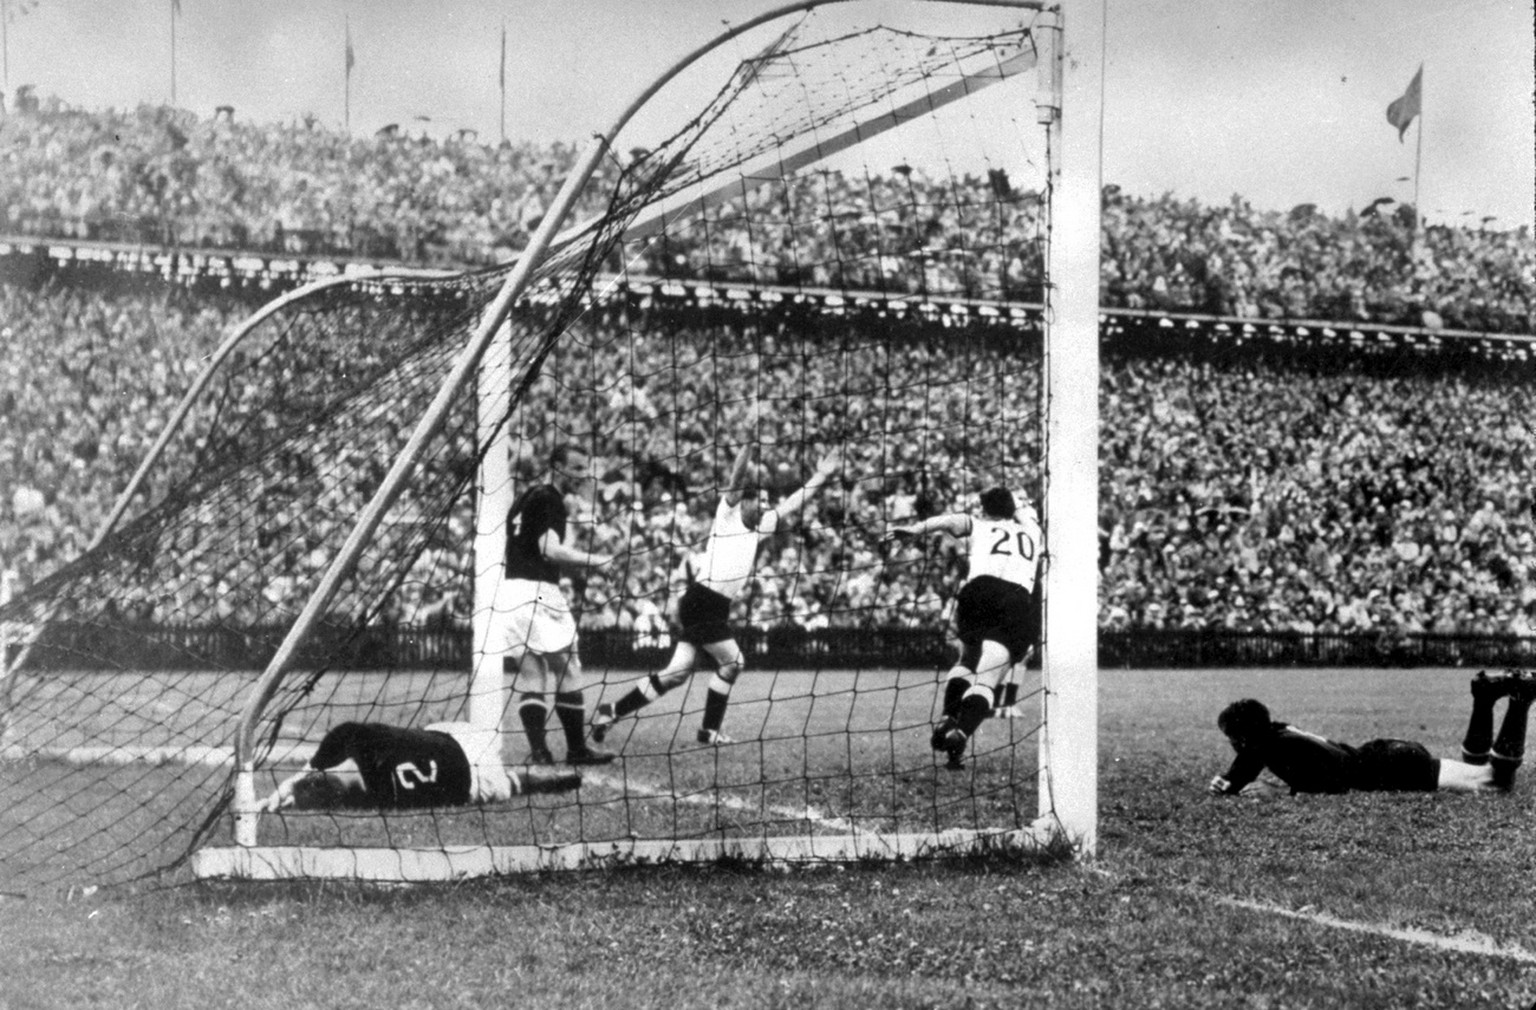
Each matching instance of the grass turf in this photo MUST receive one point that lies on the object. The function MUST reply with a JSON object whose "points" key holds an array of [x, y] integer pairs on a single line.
{"points": [[1154, 921]]}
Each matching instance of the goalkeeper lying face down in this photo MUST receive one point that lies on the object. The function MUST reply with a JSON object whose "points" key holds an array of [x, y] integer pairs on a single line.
{"points": [[1309, 763], [360, 764]]}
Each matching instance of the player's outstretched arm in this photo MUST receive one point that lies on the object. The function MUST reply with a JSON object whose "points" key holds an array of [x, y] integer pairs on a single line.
{"points": [[955, 523], [561, 553], [735, 479], [535, 779], [824, 471], [1255, 790]]}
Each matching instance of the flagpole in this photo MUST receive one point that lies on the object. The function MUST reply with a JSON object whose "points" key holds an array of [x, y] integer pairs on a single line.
{"points": [[1418, 151], [346, 101], [502, 80], [173, 52]]}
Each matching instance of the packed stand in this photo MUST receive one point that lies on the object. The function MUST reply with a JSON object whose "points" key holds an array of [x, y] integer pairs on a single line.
{"points": [[1242, 489], [165, 176]]}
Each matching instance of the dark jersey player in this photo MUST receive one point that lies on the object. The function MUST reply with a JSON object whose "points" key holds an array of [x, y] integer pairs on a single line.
{"points": [[1309, 763], [363, 764], [536, 627]]}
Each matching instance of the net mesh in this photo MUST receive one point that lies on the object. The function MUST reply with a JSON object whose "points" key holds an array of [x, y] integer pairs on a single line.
{"points": [[777, 256]]}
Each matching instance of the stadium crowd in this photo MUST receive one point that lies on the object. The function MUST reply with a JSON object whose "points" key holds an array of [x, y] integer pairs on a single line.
{"points": [[1243, 487], [169, 177]]}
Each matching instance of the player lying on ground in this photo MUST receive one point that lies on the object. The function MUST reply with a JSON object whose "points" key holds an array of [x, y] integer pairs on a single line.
{"points": [[713, 580], [1312, 764], [997, 612], [360, 764]]}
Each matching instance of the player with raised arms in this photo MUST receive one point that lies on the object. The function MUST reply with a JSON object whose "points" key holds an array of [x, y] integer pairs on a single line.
{"points": [[712, 581], [997, 611]]}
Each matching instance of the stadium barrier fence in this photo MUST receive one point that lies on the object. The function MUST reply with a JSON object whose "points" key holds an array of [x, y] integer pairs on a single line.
{"points": [[258, 276], [67, 646]]}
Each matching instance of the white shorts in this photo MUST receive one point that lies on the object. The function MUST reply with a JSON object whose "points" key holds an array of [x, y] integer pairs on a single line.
{"points": [[533, 617]]}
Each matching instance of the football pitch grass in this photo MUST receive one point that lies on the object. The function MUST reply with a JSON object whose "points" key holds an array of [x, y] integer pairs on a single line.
{"points": [[1193, 901]]}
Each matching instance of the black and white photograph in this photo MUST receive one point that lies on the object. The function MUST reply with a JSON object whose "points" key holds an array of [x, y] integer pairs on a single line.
{"points": [[767, 503]]}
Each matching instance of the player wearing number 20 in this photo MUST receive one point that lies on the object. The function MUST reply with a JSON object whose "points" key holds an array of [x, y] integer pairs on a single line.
{"points": [[997, 612]]}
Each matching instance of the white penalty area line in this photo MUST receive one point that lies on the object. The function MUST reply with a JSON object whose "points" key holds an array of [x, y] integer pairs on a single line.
{"points": [[1470, 942], [633, 787]]}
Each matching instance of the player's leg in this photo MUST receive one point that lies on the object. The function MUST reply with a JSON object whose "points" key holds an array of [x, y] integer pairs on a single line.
{"points": [[729, 663], [523, 642], [646, 690], [1007, 701], [1509, 747], [976, 705], [1462, 777], [571, 710], [1486, 691], [957, 682], [532, 684]]}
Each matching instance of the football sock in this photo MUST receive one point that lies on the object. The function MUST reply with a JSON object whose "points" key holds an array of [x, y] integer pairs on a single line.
{"points": [[954, 690], [1474, 746], [716, 701], [641, 695], [571, 708], [1509, 748], [1010, 694], [975, 706], [534, 714]]}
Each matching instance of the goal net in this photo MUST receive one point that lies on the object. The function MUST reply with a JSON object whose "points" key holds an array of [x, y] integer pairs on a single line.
{"points": [[845, 247]]}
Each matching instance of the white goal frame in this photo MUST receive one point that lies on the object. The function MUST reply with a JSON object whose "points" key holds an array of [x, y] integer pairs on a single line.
{"points": [[1071, 67]]}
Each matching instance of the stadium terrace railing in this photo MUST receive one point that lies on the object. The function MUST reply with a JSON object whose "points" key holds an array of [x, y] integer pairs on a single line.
{"points": [[261, 275], [136, 647]]}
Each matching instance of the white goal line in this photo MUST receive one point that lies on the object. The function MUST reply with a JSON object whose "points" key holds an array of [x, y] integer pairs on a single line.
{"points": [[449, 863], [297, 754]]}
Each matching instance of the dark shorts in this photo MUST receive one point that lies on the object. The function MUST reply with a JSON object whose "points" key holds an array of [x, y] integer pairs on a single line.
{"points": [[992, 609], [703, 616], [1395, 766]]}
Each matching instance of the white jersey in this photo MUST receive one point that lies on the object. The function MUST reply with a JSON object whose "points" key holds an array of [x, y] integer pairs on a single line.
{"points": [[1007, 549], [728, 559]]}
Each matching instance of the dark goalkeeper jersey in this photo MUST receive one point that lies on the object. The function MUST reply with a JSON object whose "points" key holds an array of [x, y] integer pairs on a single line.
{"points": [[400, 767], [1304, 761]]}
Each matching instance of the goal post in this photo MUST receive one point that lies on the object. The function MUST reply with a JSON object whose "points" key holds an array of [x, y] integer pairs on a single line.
{"points": [[1071, 412], [872, 236]]}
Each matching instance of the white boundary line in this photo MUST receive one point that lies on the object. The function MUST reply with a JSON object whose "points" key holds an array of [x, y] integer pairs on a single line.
{"points": [[628, 786], [297, 754], [1467, 942]]}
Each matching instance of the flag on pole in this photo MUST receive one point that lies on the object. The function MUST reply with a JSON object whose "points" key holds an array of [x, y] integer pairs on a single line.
{"points": [[350, 58], [501, 77], [1402, 111], [175, 8]]}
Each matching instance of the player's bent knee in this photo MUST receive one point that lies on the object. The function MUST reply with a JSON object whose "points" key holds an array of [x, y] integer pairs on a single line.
{"points": [[729, 671], [666, 680]]}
